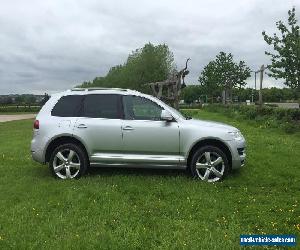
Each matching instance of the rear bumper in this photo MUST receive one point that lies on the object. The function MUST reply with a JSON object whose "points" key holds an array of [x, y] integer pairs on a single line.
{"points": [[37, 156], [37, 152]]}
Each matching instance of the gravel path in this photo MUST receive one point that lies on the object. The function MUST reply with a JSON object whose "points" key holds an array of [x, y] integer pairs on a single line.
{"points": [[6, 118]]}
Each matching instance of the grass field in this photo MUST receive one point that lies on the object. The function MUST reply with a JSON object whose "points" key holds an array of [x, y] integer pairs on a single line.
{"points": [[147, 209]]}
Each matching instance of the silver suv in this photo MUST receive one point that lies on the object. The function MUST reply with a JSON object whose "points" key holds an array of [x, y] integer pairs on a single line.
{"points": [[79, 128]]}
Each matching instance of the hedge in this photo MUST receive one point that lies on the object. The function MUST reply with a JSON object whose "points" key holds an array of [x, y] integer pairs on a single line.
{"points": [[9, 109], [287, 119], [252, 112]]}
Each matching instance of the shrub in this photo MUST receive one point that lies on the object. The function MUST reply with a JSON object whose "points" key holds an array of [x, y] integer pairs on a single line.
{"points": [[266, 116], [6, 109], [289, 127]]}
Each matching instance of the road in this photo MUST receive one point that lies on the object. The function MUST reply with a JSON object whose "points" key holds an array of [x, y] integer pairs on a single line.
{"points": [[286, 105], [6, 118]]}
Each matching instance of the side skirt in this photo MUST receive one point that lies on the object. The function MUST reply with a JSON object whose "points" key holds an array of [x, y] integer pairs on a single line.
{"points": [[138, 161]]}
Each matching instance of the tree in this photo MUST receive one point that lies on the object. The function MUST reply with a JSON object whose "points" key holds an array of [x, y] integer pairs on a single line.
{"points": [[208, 80], [224, 74], [29, 100], [147, 64], [150, 64], [6, 100], [285, 63], [45, 99], [19, 100], [191, 93], [244, 94]]}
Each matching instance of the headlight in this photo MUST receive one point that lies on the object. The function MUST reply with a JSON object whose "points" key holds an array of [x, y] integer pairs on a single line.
{"points": [[237, 135]]}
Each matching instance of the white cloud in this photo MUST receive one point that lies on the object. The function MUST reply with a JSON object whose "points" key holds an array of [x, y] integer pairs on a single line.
{"points": [[53, 45]]}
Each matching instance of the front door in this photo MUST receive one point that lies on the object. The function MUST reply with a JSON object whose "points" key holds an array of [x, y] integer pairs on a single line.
{"points": [[146, 138]]}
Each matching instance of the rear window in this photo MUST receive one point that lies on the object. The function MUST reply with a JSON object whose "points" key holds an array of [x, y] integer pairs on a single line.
{"points": [[102, 106], [67, 106]]}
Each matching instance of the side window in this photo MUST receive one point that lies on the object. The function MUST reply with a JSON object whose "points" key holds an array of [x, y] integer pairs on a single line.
{"points": [[67, 106], [102, 106], [140, 108]]}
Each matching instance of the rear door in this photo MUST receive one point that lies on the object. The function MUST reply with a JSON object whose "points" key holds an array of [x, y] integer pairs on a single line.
{"points": [[64, 114], [99, 126]]}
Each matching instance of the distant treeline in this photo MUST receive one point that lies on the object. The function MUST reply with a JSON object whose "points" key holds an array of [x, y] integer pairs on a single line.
{"points": [[195, 93], [23, 100]]}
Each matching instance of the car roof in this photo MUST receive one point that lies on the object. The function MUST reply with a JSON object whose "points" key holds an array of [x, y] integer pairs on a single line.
{"points": [[86, 91]]}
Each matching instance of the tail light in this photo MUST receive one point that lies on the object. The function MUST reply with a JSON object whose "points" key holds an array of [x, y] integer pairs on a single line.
{"points": [[36, 124]]}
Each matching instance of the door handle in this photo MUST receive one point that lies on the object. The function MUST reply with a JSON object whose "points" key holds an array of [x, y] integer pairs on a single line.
{"points": [[128, 128], [81, 126]]}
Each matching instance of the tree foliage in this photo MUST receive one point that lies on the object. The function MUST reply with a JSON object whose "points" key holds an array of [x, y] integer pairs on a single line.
{"points": [[223, 74], [285, 62], [6, 100], [270, 94], [148, 64], [192, 93], [209, 81]]}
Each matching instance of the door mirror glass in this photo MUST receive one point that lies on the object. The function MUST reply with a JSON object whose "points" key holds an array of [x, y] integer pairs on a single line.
{"points": [[166, 116]]}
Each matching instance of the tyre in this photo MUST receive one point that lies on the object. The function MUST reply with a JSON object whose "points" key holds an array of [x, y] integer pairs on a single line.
{"points": [[209, 163], [68, 161]]}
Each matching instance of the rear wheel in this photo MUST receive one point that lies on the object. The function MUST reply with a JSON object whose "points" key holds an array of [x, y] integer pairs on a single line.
{"points": [[209, 163], [68, 161]]}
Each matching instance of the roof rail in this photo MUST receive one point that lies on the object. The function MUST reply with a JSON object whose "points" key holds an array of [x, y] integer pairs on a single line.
{"points": [[95, 88]]}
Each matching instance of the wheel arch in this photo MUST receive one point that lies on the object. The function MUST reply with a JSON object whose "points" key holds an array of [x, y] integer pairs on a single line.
{"points": [[210, 142], [63, 139]]}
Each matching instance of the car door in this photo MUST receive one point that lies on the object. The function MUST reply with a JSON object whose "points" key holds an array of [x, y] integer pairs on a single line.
{"points": [[146, 138], [64, 114], [99, 126]]}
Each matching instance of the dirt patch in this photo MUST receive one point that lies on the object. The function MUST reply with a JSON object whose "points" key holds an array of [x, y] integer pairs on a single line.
{"points": [[6, 118]]}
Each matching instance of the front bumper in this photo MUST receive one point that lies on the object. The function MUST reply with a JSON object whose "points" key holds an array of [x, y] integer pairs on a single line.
{"points": [[240, 162], [238, 152]]}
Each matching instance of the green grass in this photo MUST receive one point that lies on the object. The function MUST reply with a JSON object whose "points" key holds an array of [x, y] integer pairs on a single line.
{"points": [[147, 209]]}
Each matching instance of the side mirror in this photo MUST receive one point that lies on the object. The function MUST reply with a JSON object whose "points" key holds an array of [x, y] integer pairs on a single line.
{"points": [[166, 116]]}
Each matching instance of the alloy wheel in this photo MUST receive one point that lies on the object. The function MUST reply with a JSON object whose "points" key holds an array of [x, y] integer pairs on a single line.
{"points": [[210, 167], [66, 164]]}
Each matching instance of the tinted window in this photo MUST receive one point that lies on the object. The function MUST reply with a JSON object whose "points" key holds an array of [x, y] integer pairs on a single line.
{"points": [[102, 106], [67, 106], [140, 108]]}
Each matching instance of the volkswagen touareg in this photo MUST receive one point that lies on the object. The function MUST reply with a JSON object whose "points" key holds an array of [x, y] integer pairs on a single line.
{"points": [[80, 128]]}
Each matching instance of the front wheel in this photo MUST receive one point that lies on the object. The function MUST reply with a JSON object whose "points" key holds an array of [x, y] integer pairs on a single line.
{"points": [[68, 161], [209, 163]]}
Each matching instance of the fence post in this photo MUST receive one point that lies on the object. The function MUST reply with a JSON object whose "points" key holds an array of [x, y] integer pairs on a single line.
{"points": [[262, 68]]}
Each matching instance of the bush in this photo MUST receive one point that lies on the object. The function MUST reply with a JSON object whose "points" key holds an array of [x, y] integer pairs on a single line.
{"points": [[6, 109], [289, 127], [266, 116]]}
